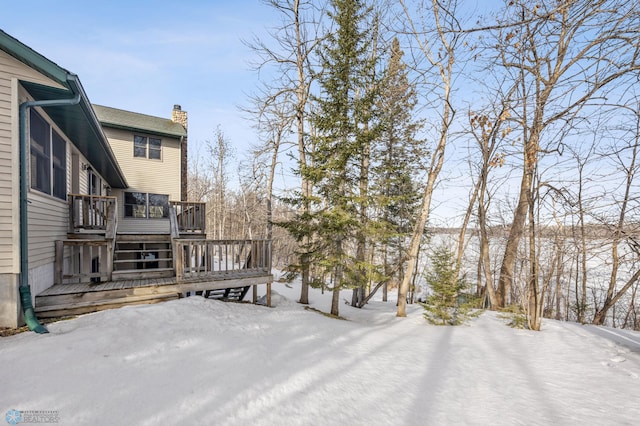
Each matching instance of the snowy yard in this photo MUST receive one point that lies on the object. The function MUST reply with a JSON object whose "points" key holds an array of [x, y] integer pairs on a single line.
{"points": [[198, 361]]}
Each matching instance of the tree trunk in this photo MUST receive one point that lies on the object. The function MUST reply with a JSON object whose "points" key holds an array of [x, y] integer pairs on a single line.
{"points": [[335, 301], [513, 241], [559, 274], [337, 284], [465, 225], [385, 255], [444, 67], [610, 300], [601, 313], [484, 260], [301, 90], [535, 296], [486, 267], [418, 232], [361, 245]]}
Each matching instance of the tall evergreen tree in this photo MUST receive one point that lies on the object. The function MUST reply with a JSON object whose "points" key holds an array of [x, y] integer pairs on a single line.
{"points": [[397, 159], [344, 121]]}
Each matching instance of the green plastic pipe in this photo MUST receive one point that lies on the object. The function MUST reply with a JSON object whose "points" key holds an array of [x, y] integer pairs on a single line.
{"points": [[29, 314], [25, 289]]}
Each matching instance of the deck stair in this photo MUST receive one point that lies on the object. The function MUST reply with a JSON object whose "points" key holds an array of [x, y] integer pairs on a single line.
{"points": [[236, 293], [142, 256], [102, 272]]}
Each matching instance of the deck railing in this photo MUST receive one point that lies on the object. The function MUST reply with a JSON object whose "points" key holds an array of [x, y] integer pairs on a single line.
{"points": [[199, 258], [92, 212], [191, 216], [83, 261], [92, 260]]}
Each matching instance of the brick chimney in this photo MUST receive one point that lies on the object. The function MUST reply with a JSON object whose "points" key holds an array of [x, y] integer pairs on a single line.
{"points": [[179, 116]]}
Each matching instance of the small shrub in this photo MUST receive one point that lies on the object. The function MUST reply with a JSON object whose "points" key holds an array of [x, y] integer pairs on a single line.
{"points": [[515, 315], [448, 304]]}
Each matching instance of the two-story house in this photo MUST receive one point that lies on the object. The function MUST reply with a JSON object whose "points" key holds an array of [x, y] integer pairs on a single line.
{"points": [[93, 210], [152, 154]]}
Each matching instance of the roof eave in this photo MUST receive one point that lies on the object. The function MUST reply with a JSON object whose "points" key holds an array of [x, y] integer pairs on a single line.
{"points": [[119, 180], [33, 59], [70, 83], [143, 130]]}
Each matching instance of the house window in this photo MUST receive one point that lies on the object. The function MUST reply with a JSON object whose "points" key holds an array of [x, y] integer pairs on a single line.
{"points": [[59, 163], [146, 206], [147, 147], [158, 206], [48, 161], [135, 204], [155, 148]]}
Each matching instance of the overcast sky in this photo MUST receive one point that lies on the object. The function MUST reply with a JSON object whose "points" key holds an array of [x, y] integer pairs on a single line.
{"points": [[145, 56]]}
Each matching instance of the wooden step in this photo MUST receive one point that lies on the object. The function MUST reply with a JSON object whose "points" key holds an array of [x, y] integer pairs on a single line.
{"points": [[99, 296], [86, 236], [84, 307], [160, 259], [142, 238], [129, 251], [141, 271], [141, 274], [233, 293]]}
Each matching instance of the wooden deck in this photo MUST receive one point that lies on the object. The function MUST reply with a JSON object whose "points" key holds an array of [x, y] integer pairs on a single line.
{"points": [[74, 299], [134, 268]]}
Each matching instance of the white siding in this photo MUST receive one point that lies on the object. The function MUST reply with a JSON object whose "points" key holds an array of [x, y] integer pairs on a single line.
{"points": [[48, 222], [41, 278]]}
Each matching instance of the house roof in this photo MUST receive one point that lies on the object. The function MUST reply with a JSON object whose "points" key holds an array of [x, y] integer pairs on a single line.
{"points": [[127, 120], [79, 121]]}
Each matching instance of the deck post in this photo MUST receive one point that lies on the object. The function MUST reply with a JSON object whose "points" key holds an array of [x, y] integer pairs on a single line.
{"points": [[179, 264], [269, 294], [85, 211], [109, 250], [59, 261], [255, 294], [72, 215], [111, 227]]}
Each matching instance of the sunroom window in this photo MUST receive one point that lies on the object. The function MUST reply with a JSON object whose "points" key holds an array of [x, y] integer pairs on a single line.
{"points": [[48, 158], [146, 206]]}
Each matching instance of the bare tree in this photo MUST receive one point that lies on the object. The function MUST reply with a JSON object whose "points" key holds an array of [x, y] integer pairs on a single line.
{"points": [[565, 54], [274, 121], [440, 50], [488, 133], [220, 152], [630, 169], [632, 317], [200, 184], [291, 54], [580, 232]]}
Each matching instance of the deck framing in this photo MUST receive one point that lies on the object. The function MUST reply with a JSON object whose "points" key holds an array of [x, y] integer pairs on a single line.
{"points": [[74, 299]]}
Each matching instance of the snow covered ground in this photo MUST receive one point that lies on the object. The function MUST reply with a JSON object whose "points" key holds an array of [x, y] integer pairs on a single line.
{"points": [[198, 361]]}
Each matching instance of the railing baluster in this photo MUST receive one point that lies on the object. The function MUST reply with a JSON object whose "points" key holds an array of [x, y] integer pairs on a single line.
{"points": [[190, 216], [89, 212], [233, 256]]}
